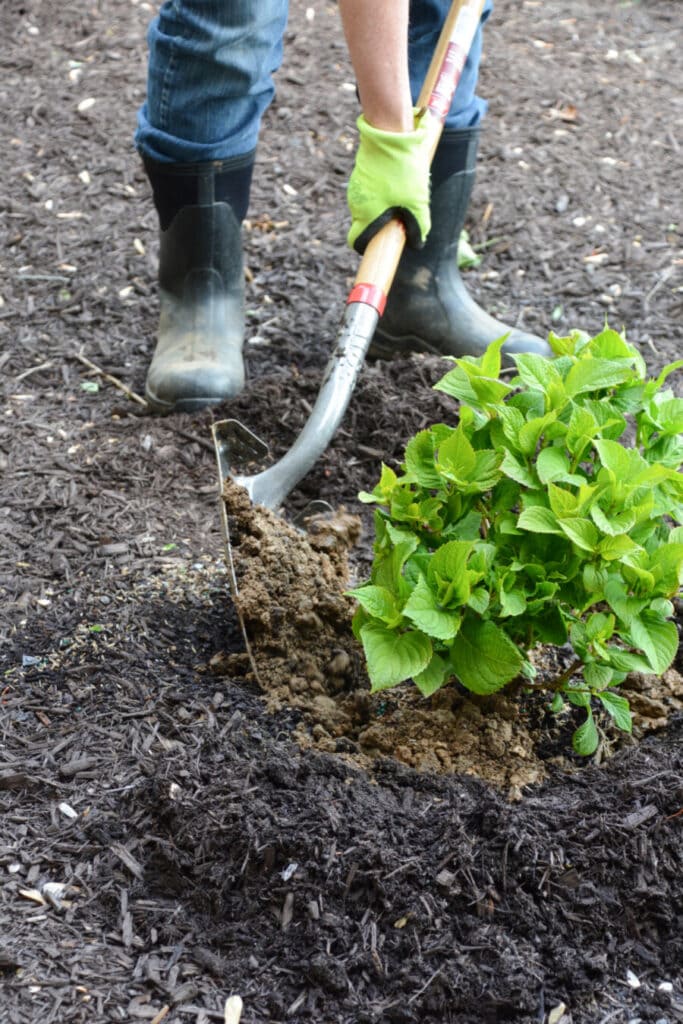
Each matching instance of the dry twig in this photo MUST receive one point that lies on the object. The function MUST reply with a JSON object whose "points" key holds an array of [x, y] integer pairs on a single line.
{"points": [[112, 380]]}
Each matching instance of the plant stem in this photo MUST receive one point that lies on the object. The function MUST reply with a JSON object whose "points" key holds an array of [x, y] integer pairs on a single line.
{"points": [[566, 675]]}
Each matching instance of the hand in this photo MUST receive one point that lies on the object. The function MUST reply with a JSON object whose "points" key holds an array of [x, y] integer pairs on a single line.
{"points": [[390, 179]]}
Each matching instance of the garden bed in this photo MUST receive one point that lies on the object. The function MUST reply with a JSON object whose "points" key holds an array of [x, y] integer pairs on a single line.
{"points": [[205, 835]]}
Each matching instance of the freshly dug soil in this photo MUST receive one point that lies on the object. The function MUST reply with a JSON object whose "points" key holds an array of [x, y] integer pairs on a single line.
{"points": [[167, 835]]}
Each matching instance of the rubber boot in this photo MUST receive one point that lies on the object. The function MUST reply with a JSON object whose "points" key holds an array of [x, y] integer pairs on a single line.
{"points": [[429, 309], [198, 357]]}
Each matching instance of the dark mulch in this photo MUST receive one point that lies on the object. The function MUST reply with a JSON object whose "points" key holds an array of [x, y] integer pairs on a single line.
{"points": [[202, 853]]}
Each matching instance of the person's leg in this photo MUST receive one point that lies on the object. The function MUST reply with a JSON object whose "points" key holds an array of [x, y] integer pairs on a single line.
{"points": [[429, 308], [210, 72]]}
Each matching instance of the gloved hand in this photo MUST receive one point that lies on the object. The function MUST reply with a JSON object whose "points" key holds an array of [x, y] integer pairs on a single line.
{"points": [[390, 179]]}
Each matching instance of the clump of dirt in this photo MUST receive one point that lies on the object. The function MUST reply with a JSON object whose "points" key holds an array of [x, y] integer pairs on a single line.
{"points": [[450, 732], [290, 598], [653, 699]]}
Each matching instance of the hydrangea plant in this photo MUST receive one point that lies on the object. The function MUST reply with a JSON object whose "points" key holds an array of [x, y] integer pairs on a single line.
{"points": [[546, 515]]}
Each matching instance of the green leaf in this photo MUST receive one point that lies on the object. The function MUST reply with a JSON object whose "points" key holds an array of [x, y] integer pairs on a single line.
{"points": [[383, 490], [656, 638], [483, 657], [563, 503], [597, 676], [486, 470], [456, 383], [579, 639], [479, 600], [599, 626], [663, 608], [393, 657], [456, 458], [537, 373], [581, 532], [467, 257], [668, 415], [512, 602], [625, 661], [618, 708], [420, 460], [448, 571], [433, 677], [401, 538], [490, 362], [424, 612], [551, 464], [597, 375], [378, 602], [611, 345], [489, 392], [557, 704], [624, 463], [583, 427], [625, 607], [585, 739], [538, 520], [579, 698], [640, 580], [667, 371], [613, 525], [666, 450], [595, 580], [666, 564], [516, 470], [467, 528], [532, 430], [614, 548], [569, 345], [610, 419], [512, 422]]}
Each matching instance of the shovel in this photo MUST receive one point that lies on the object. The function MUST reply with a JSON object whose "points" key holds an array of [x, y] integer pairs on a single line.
{"points": [[236, 446]]}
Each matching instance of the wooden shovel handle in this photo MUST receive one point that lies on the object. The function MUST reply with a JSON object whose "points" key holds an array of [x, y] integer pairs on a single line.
{"points": [[380, 260]]}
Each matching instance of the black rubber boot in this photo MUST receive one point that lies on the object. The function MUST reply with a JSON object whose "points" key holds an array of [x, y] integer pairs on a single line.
{"points": [[198, 356], [429, 309]]}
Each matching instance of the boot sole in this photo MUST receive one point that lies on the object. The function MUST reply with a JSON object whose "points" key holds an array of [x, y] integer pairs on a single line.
{"points": [[182, 405]]}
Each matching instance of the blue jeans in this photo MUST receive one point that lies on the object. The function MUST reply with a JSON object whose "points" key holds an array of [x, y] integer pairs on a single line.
{"points": [[211, 66]]}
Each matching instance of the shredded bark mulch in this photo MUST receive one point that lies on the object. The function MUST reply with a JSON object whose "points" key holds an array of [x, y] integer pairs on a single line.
{"points": [[164, 840]]}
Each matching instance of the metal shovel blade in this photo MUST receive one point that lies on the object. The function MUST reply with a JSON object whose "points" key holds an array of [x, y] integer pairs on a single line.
{"points": [[235, 446]]}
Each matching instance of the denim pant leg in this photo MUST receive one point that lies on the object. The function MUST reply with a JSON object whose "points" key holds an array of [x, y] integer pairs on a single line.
{"points": [[426, 21], [210, 72]]}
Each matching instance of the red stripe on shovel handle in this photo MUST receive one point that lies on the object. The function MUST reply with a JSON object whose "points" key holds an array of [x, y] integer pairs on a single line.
{"points": [[370, 294], [449, 76]]}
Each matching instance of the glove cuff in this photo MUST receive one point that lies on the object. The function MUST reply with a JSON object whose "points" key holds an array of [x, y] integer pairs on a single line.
{"points": [[383, 141]]}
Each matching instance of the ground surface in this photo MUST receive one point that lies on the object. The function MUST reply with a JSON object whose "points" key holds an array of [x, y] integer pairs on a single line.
{"points": [[204, 853]]}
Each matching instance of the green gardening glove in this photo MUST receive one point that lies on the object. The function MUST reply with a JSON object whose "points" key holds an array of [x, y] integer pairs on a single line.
{"points": [[390, 179]]}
